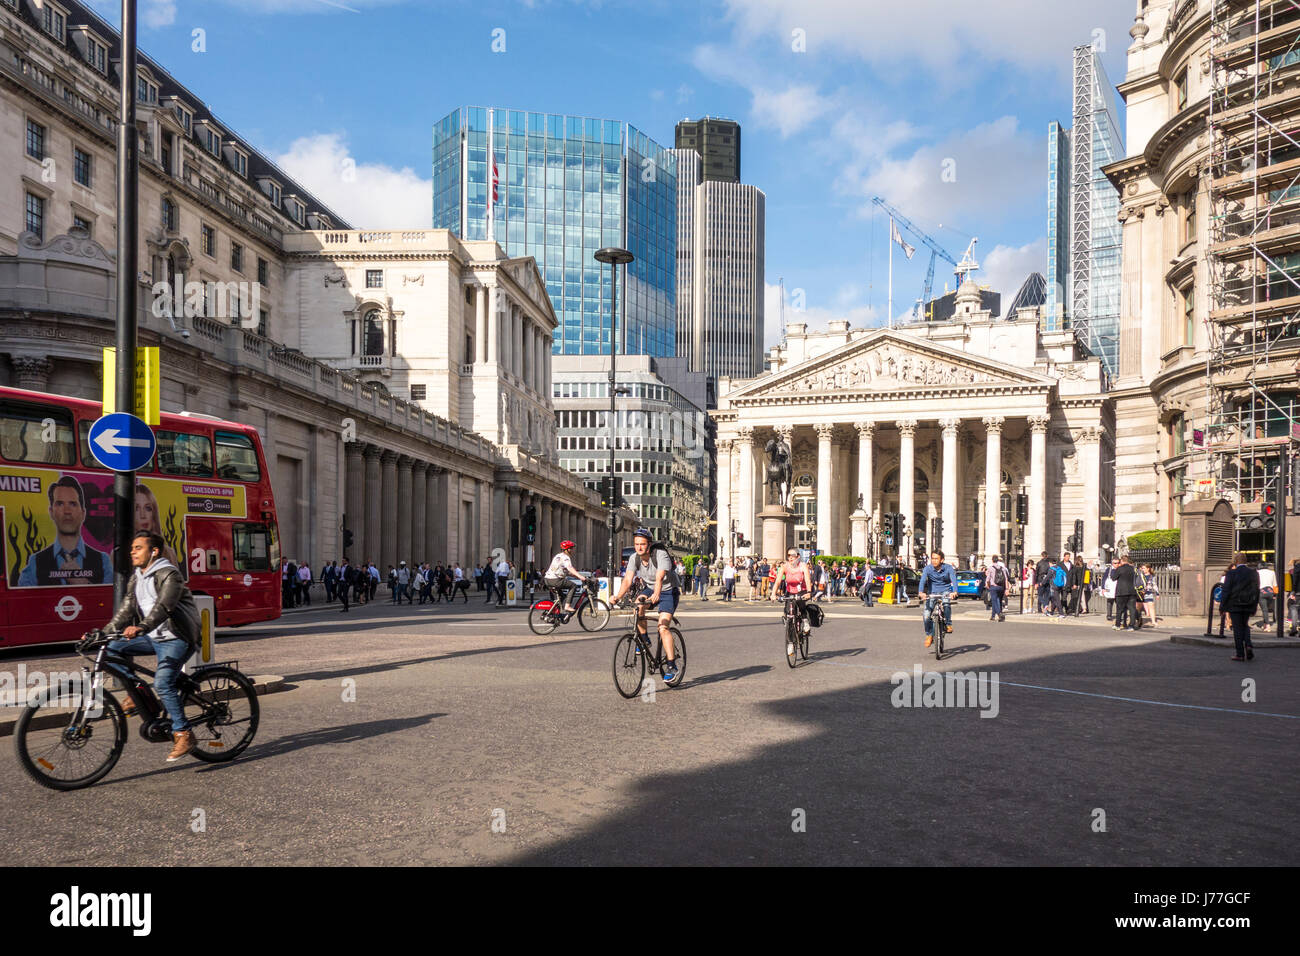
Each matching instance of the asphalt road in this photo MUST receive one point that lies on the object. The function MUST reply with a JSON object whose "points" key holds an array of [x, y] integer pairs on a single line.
{"points": [[472, 741]]}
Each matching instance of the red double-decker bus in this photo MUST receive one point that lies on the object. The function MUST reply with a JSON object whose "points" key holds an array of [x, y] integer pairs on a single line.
{"points": [[206, 492]]}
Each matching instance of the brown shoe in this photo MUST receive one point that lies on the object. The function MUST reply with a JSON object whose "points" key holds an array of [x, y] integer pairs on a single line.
{"points": [[184, 744], [929, 639], [128, 707]]}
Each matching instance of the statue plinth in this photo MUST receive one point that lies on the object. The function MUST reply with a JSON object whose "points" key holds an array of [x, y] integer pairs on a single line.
{"points": [[778, 530], [859, 521]]}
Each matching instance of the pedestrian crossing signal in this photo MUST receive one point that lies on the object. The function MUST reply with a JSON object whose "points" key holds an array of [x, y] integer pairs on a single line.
{"points": [[530, 524]]}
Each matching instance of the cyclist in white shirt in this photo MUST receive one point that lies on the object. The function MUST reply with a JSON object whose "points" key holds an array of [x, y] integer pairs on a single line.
{"points": [[564, 576]]}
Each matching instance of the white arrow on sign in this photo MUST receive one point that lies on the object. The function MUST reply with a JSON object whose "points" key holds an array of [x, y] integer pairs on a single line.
{"points": [[109, 441]]}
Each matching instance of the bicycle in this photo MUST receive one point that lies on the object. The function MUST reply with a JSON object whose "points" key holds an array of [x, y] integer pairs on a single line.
{"points": [[632, 654], [938, 621], [545, 615], [70, 748], [797, 627]]}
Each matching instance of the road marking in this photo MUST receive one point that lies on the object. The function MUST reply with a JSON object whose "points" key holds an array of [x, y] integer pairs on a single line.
{"points": [[1084, 693]]}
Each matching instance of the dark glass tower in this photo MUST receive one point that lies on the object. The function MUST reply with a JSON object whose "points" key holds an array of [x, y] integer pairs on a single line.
{"points": [[718, 142]]}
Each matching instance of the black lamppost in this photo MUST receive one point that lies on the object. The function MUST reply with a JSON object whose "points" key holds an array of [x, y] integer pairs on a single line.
{"points": [[615, 257]]}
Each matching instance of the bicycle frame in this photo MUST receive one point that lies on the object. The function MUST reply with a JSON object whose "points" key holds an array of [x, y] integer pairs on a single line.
{"points": [[557, 614]]}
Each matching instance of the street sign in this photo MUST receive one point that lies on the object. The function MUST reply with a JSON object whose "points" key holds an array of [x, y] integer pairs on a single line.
{"points": [[1198, 438], [121, 442], [148, 383]]}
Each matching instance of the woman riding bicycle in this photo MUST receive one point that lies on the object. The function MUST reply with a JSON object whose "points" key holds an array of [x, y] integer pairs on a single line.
{"points": [[163, 620], [796, 577], [939, 581]]}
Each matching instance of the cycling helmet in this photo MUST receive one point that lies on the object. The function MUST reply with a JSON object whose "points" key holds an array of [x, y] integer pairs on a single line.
{"points": [[643, 533], [566, 545]]}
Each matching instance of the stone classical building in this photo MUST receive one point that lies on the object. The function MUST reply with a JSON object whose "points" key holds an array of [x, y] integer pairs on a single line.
{"points": [[1206, 394], [399, 380], [949, 420]]}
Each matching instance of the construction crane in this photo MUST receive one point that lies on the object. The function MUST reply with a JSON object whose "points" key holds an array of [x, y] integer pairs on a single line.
{"points": [[967, 264]]}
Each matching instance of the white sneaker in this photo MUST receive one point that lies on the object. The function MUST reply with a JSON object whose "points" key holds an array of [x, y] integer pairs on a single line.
{"points": [[789, 648]]}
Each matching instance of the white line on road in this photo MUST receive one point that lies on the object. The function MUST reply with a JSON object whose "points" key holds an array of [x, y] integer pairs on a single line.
{"points": [[1084, 693]]}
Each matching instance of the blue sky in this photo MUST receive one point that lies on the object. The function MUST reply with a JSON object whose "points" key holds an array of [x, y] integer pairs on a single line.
{"points": [[839, 100]]}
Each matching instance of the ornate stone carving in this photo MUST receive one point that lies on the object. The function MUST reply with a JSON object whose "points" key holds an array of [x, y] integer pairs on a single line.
{"points": [[335, 277], [1090, 435], [866, 430], [887, 366], [409, 279], [907, 427], [950, 426], [1039, 423], [825, 431], [1071, 372], [32, 371], [994, 423], [784, 433], [745, 435]]}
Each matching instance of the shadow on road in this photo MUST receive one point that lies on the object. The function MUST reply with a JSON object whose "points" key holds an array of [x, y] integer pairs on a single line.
{"points": [[738, 674]]}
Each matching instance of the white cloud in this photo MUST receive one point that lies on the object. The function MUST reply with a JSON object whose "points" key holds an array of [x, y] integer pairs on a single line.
{"points": [[1006, 267], [159, 13], [971, 176], [366, 194], [788, 110], [939, 36]]}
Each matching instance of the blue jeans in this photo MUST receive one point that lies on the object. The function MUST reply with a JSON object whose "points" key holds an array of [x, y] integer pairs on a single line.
{"points": [[929, 606], [995, 595], [171, 655]]}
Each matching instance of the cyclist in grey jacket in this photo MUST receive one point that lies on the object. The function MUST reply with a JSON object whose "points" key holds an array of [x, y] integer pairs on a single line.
{"points": [[158, 616]]}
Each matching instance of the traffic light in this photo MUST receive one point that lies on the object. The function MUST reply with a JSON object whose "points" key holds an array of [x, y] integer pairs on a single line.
{"points": [[530, 524], [887, 525], [937, 532], [900, 528], [1022, 508], [609, 491], [347, 539], [1078, 535], [1268, 514]]}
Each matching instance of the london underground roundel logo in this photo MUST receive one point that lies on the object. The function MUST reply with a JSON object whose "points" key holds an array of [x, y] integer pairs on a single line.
{"points": [[68, 608]]}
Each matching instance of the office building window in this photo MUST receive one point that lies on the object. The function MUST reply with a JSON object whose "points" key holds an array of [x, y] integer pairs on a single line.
{"points": [[237, 257], [169, 216], [262, 270], [374, 278], [419, 392], [97, 54], [79, 223], [54, 21], [35, 140], [209, 241], [1189, 316], [81, 162], [35, 221]]}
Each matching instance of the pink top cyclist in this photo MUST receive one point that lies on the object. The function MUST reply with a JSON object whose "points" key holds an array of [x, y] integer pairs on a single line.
{"points": [[795, 574]]}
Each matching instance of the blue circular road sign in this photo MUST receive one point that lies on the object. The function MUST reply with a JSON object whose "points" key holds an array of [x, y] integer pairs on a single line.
{"points": [[121, 442]]}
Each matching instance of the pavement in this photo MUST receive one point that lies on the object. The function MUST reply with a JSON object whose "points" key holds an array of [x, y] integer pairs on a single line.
{"points": [[453, 735]]}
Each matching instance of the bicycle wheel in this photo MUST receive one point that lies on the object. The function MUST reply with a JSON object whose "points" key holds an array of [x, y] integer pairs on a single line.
{"points": [[937, 626], [222, 709], [791, 640], [540, 621], [629, 666], [679, 657], [803, 644], [594, 615], [73, 749]]}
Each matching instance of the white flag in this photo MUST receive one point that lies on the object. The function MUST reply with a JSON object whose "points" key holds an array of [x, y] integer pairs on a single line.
{"points": [[898, 238]]}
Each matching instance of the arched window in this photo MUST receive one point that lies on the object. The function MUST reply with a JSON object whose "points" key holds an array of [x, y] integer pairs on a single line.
{"points": [[372, 337]]}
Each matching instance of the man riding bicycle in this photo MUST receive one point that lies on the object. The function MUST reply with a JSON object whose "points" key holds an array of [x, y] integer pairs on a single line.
{"points": [[658, 585], [797, 580], [563, 576], [161, 619], [939, 582]]}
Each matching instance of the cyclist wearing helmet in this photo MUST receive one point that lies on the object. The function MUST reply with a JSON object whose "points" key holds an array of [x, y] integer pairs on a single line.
{"points": [[564, 576], [651, 569]]}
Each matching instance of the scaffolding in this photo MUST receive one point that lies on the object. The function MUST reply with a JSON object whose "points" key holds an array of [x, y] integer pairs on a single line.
{"points": [[1252, 319]]}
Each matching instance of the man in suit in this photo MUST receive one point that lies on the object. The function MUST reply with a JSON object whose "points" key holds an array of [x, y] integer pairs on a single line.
{"points": [[1240, 599], [69, 560]]}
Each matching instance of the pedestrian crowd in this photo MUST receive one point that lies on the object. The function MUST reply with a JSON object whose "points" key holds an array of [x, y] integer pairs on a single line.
{"points": [[359, 583]]}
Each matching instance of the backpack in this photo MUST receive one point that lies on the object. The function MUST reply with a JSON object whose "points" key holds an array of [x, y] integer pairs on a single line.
{"points": [[671, 577], [999, 577], [1058, 577]]}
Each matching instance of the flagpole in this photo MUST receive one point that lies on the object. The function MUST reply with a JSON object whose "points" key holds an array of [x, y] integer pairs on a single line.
{"points": [[890, 306]]}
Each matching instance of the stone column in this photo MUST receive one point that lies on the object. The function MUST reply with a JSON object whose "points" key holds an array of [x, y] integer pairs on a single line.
{"points": [[547, 347], [419, 511], [866, 465], [481, 325], [907, 487], [435, 514], [404, 476], [373, 504], [745, 517], [723, 526], [993, 487], [388, 503], [499, 523], [1036, 530], [517, 341], [1089, 445], [948, 512], [356, 519], [494, 334], [32, 372], [825, 486]]}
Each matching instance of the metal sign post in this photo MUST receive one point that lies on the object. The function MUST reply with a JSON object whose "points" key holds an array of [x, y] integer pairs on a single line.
{"points": [[128, 169]]}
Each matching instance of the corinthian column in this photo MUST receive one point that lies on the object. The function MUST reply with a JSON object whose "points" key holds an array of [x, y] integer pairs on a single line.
{"points": [[724, 495], [1089, 442], [907, 486], [825, 486], [745, 519], [993, 486], [1036, 531], [950, 426]]}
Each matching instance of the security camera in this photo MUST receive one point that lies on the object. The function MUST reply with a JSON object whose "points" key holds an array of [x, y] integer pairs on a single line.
{"points": [[185, 333]]}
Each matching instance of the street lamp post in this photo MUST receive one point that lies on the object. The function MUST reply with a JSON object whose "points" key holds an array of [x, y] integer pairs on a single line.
{"points": [[615, 257]]}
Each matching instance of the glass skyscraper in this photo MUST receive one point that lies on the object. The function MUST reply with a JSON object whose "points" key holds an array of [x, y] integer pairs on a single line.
{"points": [[1083, 230], [566, 186]]}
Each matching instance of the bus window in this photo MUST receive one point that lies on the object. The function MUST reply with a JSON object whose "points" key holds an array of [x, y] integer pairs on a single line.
{"points": [[36, 433], [87, 459], [252, 547], [236, 459], [182, 453]]}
